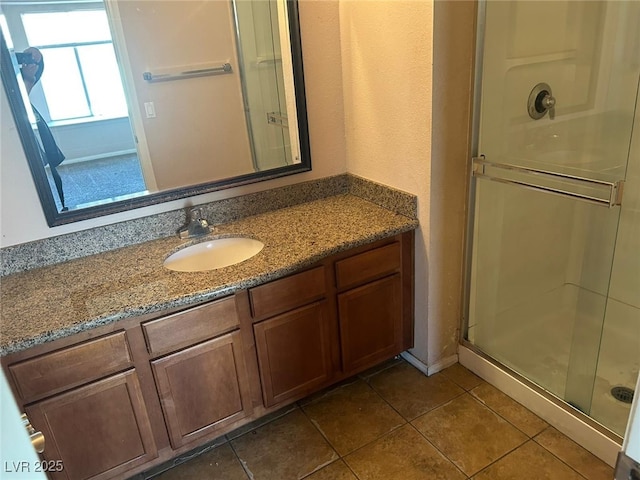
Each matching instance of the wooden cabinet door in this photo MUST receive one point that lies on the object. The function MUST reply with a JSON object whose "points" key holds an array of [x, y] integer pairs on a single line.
{"points": [[370, 323], [203, 388], [294, 352], [100, 430]]}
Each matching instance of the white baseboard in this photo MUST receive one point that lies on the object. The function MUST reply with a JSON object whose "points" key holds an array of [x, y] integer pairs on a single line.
{"points": [[585, 435], [100, 156], [429, 369]]}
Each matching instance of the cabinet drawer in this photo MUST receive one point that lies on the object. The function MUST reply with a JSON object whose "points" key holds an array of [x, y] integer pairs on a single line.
{"points": [[368, 265], [287, 293], [191, 326], [70, 367]]}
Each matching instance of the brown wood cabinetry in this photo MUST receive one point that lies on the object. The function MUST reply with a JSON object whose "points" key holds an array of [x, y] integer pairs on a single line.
{"points": [[99, 430], [125, 397], [370, 323], [203, 388], [287, 293], [365, 316], [294, 352], [371, 307], [94, 420], [203, 383], [295, 344], [186, 328], [70, 367]]}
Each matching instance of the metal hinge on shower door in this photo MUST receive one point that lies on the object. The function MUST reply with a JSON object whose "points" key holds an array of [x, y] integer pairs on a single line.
{"points": [[599, 192], [277, 119]]}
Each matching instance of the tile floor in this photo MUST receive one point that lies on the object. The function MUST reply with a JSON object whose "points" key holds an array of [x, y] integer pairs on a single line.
{"points": [[392, 423]]}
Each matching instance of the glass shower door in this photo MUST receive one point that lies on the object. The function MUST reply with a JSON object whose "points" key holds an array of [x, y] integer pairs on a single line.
{"points": [[559, 84]]}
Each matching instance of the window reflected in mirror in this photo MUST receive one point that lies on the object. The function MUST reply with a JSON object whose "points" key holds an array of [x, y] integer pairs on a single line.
{"points": [[141, 98]]}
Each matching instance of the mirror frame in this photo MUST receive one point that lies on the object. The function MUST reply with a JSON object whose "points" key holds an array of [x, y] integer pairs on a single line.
{"points": [[9, 74]]}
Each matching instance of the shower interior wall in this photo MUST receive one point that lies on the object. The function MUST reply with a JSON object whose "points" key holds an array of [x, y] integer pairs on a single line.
{"points": [[546, 305]]}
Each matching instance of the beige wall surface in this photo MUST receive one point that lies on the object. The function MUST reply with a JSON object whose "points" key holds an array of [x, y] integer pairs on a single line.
{"points": [[453, 58], [407, 76], [386, 68], [369, 81]]}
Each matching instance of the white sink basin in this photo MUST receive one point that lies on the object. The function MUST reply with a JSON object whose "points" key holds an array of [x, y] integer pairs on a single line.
{"points": [[213, 254]]}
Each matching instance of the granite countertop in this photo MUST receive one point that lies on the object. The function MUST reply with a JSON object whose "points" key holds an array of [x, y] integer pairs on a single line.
{"points": [[52, 302]]}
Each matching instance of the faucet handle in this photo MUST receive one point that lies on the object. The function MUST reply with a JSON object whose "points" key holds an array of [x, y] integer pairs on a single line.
{"points": [[196, 225], [195, 214]]}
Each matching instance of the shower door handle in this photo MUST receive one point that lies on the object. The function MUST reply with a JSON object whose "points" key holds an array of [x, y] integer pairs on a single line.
{"points": [[599, 192]]}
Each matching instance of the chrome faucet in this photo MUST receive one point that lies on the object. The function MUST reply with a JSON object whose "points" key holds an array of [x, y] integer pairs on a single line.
{"points": [[197, 225]]}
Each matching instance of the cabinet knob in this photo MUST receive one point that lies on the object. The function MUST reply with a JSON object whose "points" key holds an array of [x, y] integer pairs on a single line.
{"points": [[37, 438]]}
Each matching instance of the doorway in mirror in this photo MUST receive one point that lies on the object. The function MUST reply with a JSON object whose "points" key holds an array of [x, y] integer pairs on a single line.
{"points": [[80, 96]]}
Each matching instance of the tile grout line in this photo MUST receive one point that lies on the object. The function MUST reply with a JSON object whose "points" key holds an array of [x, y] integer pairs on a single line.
{"points": [[553, 454], [409, 422], [423, 413], [505, 418], [433, 444], [243, 464], [340, 457], [438, 450], [530, 437], [465, 391]]}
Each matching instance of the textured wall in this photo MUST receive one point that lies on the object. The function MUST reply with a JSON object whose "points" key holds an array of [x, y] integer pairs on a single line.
{"points": [[386, 68], [407, 75], [454, 51]]}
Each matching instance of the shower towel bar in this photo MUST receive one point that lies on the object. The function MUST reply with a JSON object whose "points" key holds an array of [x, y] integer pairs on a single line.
{"points": [[590, 190], [267, 61], [200, 72]]}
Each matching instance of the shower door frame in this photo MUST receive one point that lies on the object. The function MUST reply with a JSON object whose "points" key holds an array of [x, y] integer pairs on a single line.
{"points": [[469, 241]]}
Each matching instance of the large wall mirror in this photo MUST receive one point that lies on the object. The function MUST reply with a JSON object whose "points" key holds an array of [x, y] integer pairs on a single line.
{"points": [[126, 103]]}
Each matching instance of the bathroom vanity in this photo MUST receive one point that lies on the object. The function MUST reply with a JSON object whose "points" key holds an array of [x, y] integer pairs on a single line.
{"points": [[152, 363]]}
